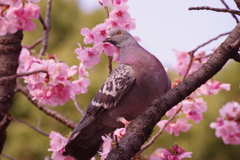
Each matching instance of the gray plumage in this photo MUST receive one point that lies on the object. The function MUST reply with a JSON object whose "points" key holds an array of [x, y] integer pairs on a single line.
{"points": [[132, 85]]}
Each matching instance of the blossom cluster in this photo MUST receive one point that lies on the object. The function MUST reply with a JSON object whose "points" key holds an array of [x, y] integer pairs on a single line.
{"points": [[118, 18], [16, 14], [228, 124], [55, 87], [173, 153], [193, 106]]}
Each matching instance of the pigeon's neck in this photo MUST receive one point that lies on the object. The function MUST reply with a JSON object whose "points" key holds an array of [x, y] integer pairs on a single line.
{"points": [[133, 54]]}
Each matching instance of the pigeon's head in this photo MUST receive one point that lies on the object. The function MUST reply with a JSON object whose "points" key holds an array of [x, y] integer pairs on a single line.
{"points": [[119, 38]]}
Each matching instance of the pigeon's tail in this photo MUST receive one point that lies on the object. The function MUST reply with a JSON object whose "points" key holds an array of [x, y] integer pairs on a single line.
{"points": [[87, 142]]}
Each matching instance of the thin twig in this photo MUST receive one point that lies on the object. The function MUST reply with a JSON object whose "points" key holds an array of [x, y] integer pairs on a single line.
{"points": [[37, 129], [160, 131], [42, 22], [215, 9], [107, 11], [47, 29], [35, 43], [54, 114], [9, 78], [78, 107], [110, 58], [205, 56], [7, 156], [233, 15], [200, 46], [209, 41], [4, 123]]}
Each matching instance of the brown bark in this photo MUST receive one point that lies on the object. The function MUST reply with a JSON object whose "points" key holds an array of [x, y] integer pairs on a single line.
{"points": [[10, 47]]}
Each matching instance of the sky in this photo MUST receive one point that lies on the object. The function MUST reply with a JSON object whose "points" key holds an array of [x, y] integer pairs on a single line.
{"points": [[168, 25]]}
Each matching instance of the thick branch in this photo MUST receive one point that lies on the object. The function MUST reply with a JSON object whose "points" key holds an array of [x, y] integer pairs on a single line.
{"points": [[10, 47], [237, 3], [215, 9], [62, 119], [140, 129]]}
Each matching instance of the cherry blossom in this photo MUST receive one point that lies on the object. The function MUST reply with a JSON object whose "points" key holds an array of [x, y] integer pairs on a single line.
{"points": [[55, 87], [107, 145], [194, 109], [227, 126], [57, 144], [158, 154], [120, 132], [16, 15], [175, 127], [176, 153]]}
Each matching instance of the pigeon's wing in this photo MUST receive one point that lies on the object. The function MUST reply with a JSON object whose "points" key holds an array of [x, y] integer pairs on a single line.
{"points": [[114, 88]]}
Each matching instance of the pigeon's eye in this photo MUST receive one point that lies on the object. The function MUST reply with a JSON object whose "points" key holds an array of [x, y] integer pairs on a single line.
{"points": [[118, 32]]}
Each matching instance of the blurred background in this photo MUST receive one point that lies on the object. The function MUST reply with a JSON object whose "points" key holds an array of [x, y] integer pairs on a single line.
{"points": [[163, 25]]}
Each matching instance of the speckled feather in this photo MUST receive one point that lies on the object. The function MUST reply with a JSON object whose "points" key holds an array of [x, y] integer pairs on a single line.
{"points": [[116, 85]]}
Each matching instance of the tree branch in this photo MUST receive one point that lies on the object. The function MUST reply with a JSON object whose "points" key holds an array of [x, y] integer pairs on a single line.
{"points": [[233, 15], [9, 78], [237, 3], [215, 9], [37, 129], [54, 114], [200, 46], [160, 131], [35, 43], [140, 129], [46, 28], [10, 48], [7, 156]]}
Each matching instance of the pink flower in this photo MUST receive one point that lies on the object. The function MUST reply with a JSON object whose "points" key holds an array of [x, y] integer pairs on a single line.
{"points": [[31, 10], [108, 48], [120, 132], [175, 127], [100, 33], [57, 141], [183, 61], [120, 13], [89, 36], [4, 26], [176, 153], [230, 111], [82, 71], [194, 109], [80, 86], [57, 144], [107, 145], [227, 126], [210, 88], [173, 110], [158, 154], [89, 57]]}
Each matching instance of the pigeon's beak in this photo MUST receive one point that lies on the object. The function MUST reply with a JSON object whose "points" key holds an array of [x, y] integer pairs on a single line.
{"points": [[107, 39]]}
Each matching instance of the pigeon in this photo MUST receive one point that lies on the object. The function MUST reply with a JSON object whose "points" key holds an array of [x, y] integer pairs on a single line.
{"points": [[129, 89]]}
